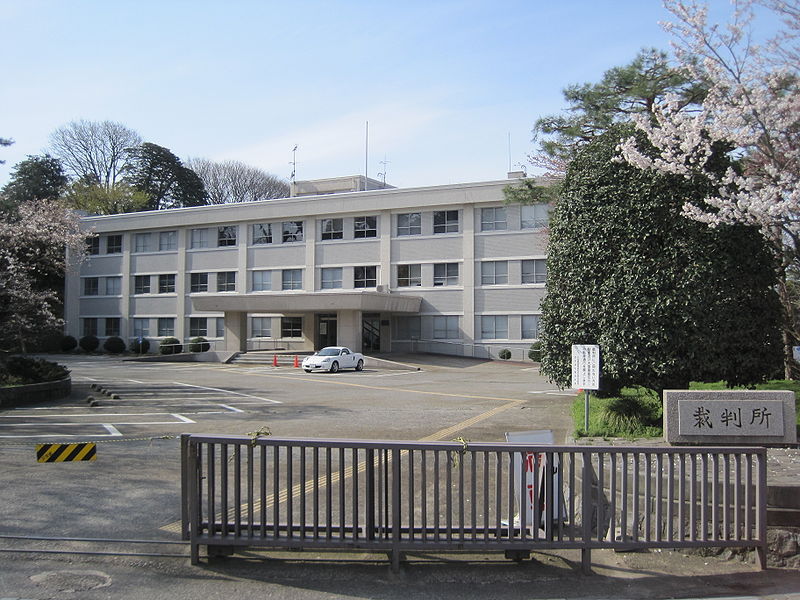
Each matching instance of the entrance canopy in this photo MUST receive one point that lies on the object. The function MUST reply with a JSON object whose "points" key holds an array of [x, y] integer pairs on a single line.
{"points": [[294, 302]]}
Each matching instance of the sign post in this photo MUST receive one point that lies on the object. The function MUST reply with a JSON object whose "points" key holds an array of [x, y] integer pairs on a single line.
{"points": [[586, 373]]}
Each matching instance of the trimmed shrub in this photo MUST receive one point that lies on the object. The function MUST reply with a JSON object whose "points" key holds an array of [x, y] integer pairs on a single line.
{"points": [[199, 344], [140, 346], [68, 343], [504, 354], [170, 345], [21, 370], [535, 353], [89, 343], [114, 345]]}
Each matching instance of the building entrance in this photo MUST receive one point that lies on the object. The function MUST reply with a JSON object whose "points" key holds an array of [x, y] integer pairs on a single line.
{"points": [[326, 331], [371, 332]]}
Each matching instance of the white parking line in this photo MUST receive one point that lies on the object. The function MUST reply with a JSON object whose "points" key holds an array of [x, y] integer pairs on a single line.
{"points": [[231, 408], [555, 392], [202, 387], [111, 429]]}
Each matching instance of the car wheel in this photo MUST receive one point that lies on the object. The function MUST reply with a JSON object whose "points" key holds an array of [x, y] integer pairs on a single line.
{"points": [[334, 367], [360, 365], [307, 370]]}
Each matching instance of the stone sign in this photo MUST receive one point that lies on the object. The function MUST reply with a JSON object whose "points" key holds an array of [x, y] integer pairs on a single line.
{"points": [[729, 416]]}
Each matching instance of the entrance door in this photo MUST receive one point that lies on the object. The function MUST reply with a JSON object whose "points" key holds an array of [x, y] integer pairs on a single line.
{"points": [[371, 332], [326, 331]]}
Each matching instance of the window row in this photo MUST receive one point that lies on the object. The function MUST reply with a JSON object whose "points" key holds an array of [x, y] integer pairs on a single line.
{"points": [[534, 216], [142, 327], [448, 327], [492, 273]]}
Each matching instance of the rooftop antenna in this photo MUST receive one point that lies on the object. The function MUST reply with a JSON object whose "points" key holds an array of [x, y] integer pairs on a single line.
{"points": [[384, 162], [366, 158], [509, 151], [294, 164]]}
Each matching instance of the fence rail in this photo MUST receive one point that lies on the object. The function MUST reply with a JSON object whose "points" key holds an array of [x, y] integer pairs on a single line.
{"points": [[240, 492]]}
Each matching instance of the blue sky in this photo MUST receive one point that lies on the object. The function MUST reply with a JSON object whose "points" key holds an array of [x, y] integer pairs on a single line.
{"points": [[442, 84]]}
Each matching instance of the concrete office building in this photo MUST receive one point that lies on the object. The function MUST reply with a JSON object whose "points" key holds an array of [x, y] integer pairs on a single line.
{"points": [[347, 261]]}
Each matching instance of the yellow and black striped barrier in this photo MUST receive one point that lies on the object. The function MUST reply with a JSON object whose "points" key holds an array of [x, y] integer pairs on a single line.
{"points": [[65, 452]]}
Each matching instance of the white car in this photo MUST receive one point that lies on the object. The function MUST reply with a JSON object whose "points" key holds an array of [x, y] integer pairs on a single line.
{"points": [[332, 359]]}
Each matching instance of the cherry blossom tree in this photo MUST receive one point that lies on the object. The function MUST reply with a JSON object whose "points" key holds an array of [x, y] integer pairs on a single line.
{"points": [[752, 108], [35, 241]]}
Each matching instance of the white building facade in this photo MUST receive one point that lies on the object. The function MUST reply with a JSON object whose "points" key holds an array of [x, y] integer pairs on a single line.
{"points": [[451, 269]]}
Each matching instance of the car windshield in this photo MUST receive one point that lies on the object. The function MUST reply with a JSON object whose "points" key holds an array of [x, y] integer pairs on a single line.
{"points": [[329, 352]]}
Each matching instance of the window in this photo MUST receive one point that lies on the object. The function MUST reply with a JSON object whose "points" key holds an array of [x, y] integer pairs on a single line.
{"points": [[198, 282], [198, 238], [262, 281], [530, 327], [494, 327], [409, 275], [261, 326], [112, 326], [198, 326], [331, 229], [141, 242], [141, 284], [91, 286], [220, 327], [262, 233], [226, 281], [445, 221], [408, 328], [292, 231], [166, 326], [365, 277], [494, 272], [90, 326], [168, 240], [93, 245], [166, 284], [113, 286], [292, 279], [365, 227], [445, 328], [141, 328], [113, 244], [445, 274], [409, 224], [493, 219], [226, 235], [534, 216], [331, 278], [534, 271], [291, 327]]}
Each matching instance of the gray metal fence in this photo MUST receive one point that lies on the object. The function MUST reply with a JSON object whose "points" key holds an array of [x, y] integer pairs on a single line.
{"points": [[391, 496]]}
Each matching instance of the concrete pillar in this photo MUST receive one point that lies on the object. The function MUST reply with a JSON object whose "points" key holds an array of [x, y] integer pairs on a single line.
{"points": [[235, 331], [348, 329]]}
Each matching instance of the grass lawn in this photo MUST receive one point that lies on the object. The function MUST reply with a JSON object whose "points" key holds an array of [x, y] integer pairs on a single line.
{"points": [[637, 412]]}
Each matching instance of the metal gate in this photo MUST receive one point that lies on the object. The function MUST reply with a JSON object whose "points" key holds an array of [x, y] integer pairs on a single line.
{"points": [[393, 496]]}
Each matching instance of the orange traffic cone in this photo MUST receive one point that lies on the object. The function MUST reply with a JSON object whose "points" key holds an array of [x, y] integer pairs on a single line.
{"points": [[274, 360], [296, 362]]}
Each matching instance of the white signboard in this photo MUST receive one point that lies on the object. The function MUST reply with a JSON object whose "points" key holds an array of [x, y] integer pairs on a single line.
{"points": [[586, 367], [796, 353]]}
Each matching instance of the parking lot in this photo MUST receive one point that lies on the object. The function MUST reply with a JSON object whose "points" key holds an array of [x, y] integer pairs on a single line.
{"points": [[110, 528]]}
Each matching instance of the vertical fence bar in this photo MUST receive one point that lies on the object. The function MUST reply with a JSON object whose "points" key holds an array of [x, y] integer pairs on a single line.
{"points": [[600, 488], [474, 493], [315, 498], [237, 492], [250, 490], [486, 495], [659, 517], [693, 498], [510, 495], [635, 499], [671, 498], [289, 491], [761, 508], [449, 496], [737, 496], [499, 494], [748, 497], [303, 483], [355, 468], [560, 499], [369, 509], [624, 497], [328, 494], [223, 488], [586, 512], [276, 487], [648, 499], [704, 497], [522, 494], [726, 497], [262, 497], [411, 494], [193, 489], [436, 506], [342, 502], [612, 494], [573, 456], [185, 479], [396, 509], [211, 488], [715, 497], [461, 458], [424, 493], [549, 498]]}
